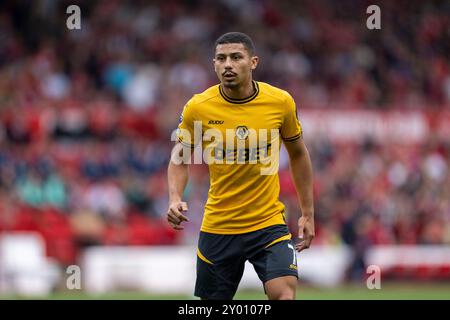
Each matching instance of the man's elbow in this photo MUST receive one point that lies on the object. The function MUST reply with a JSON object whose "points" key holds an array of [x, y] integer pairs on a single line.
{"points": [[297, 152], [178, 163]]}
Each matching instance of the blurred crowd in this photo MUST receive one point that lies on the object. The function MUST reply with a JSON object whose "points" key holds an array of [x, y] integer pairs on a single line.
{"points": [[372, 194], [86, 115]]}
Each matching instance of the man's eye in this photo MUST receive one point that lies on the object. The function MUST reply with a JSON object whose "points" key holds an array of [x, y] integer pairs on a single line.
{"points": [[236, 57], [220, 58]]}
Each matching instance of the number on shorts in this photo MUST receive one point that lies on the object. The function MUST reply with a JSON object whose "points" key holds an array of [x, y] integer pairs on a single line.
{"points": [[294, 259]]}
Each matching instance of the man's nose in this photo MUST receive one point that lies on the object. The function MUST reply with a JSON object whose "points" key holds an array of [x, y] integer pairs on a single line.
{"points": [[227, 63]]}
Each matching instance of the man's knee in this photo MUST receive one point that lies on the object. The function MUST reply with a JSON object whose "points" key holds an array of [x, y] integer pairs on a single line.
{"points": [[284, 295], [281, 288]]}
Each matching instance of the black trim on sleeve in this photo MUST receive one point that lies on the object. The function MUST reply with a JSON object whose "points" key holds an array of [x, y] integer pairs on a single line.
{"points": [[297, 136], [188, 145]]}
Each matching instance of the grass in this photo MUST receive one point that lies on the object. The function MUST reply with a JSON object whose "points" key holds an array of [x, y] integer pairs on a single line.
{"points": [[388, 291]]}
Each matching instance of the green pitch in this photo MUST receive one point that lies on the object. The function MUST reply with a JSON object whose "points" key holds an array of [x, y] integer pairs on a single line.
{"points": [[388, 291]]}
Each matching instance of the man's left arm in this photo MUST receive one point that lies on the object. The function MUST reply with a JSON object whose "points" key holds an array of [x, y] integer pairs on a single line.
{"points": [[302, 175]]}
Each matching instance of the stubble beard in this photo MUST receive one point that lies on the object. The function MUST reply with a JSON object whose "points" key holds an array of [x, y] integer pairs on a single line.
{"points": [[230, 85]]}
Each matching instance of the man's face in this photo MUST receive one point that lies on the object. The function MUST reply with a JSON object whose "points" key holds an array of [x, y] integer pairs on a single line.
{"points": [[233, 64]]}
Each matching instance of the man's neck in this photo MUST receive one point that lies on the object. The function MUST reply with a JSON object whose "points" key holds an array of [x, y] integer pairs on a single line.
{"points": [[241, 92]]}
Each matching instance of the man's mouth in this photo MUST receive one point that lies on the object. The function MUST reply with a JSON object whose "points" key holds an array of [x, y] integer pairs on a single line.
{"points": [[229, 75]]}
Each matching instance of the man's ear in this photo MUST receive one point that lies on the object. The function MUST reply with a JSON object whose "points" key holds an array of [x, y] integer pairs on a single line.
{"points": [[255, 60]]}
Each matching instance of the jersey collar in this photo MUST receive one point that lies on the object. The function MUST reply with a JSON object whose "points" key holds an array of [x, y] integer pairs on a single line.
{"points": [[243, 100]]}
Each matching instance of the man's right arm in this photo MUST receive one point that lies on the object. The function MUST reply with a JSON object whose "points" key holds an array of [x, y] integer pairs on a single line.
{"points": [[177, 175]]}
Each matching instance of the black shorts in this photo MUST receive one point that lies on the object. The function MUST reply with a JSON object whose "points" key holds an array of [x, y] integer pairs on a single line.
{"points": [[221, 259]]}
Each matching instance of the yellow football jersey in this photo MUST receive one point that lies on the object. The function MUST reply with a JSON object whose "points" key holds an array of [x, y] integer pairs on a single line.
{"points": [[240, 141]]}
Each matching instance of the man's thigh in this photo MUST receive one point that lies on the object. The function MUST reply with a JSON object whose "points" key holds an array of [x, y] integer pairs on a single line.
{"points": [[220, 266], [277, 260]]}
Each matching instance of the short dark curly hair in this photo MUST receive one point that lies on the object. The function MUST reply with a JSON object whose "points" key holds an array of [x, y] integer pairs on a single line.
{"points": [[236, 37]]}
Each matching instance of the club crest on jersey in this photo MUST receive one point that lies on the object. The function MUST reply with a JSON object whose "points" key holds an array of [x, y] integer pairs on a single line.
{"points": [[242, 132]]}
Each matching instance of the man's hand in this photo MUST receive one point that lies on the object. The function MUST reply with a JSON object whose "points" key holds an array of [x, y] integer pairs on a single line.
{"points": [[175, 215], [305, 232]]}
